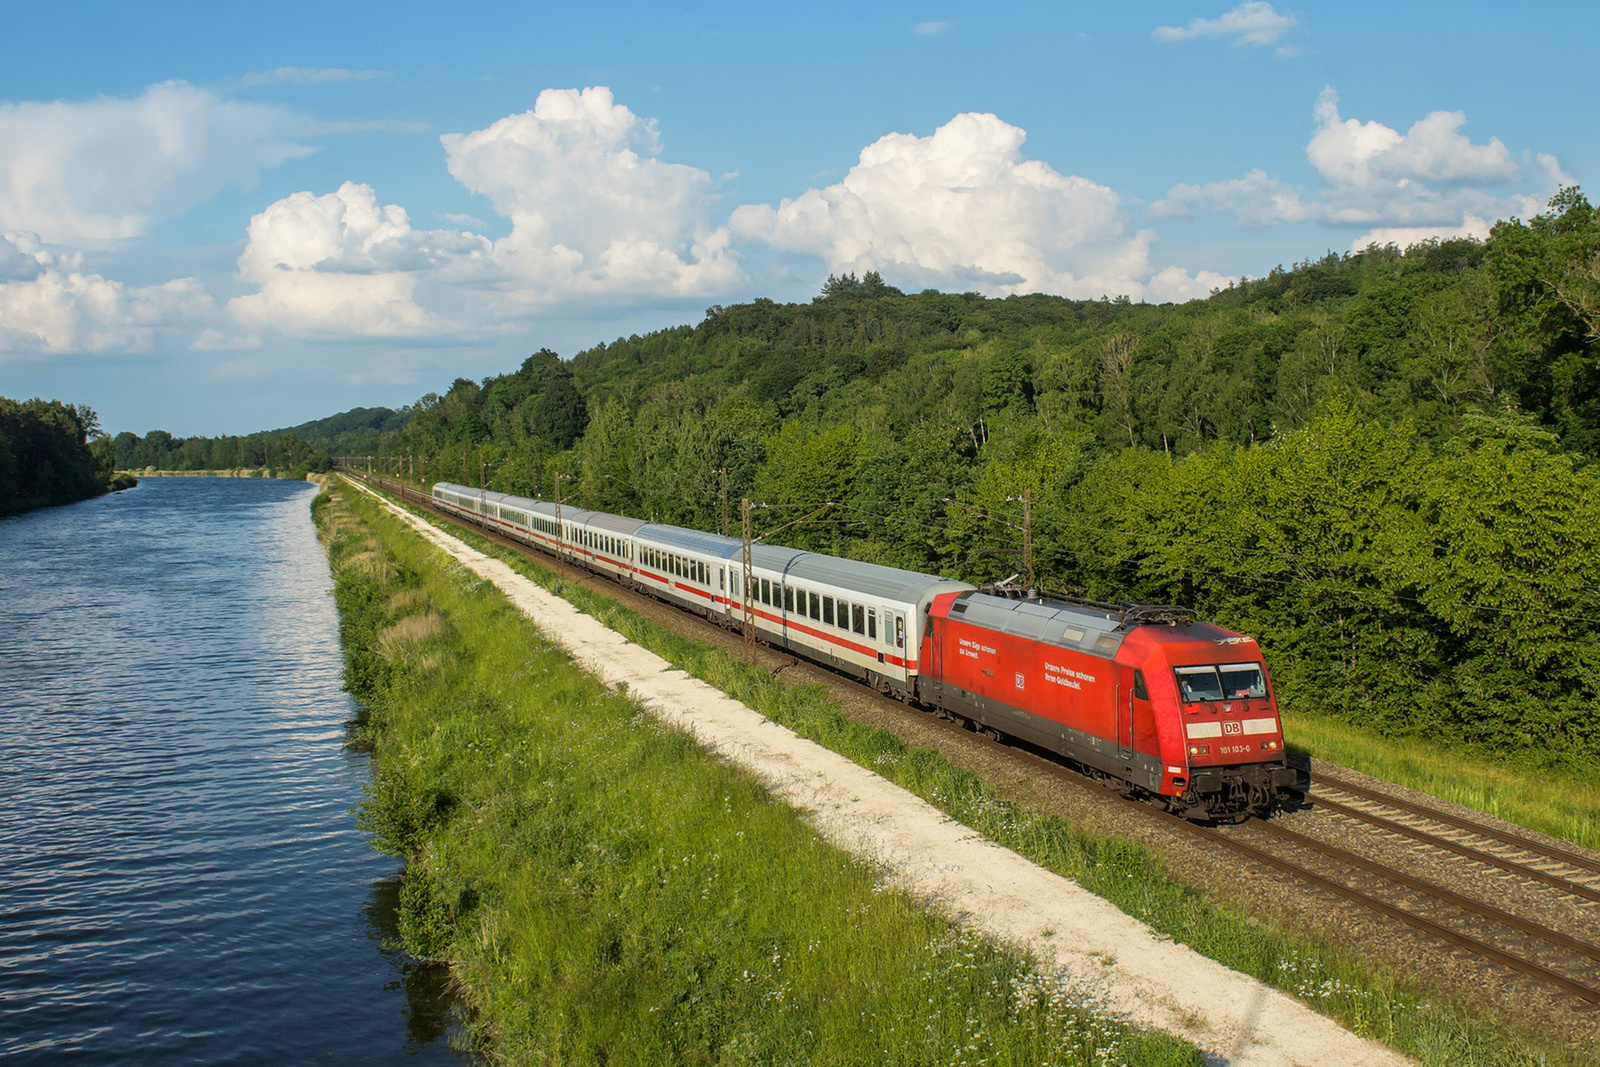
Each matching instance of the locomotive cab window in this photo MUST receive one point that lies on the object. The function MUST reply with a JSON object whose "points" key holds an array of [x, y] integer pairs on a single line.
{"points": [[1227, 681], [1199, 683], [1242, 681]]}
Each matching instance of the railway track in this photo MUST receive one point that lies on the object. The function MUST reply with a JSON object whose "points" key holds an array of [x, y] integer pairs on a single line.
{"points": [[1554, 958]]}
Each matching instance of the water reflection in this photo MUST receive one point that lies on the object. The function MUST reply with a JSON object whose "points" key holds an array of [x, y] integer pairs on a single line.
{"points": [[430, 1001], [180, 874]]}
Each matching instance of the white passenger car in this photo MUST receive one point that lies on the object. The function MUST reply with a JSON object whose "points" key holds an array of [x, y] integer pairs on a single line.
{"points": [[861, 618]]}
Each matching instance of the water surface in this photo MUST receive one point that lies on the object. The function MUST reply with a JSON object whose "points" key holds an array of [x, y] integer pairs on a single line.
{"points": [[180, 874]]}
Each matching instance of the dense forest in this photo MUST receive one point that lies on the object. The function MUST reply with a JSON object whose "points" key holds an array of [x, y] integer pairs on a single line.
{"points": [[280, 451], [52, 453], [1382, 464]]}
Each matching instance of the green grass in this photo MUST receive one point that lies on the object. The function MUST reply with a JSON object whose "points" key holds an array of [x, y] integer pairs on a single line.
{"points": [[605, 891], [1370, 1000], [1554, 800]]}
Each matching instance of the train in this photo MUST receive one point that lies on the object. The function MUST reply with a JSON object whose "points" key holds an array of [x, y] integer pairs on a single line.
{"points": [[1146, 698]]}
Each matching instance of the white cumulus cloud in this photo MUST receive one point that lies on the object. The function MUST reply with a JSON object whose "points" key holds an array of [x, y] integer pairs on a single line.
{"points": [[1431, 181], [595, 218], [86, 174], [964, 208], [1254, 22], [342, 264], [48, 306], [593, 212]]}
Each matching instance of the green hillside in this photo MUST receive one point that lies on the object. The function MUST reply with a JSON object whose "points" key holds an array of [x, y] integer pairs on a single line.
{"points": [[350, 432]]}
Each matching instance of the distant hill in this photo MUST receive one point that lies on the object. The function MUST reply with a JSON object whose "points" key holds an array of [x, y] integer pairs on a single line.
{"points": [[351, 432]]}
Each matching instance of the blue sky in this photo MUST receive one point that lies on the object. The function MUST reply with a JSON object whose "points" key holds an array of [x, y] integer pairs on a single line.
{"points": [[223, 218]]}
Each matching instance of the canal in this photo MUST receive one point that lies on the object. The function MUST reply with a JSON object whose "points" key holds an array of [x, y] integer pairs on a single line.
{"points": [[180, 873]]}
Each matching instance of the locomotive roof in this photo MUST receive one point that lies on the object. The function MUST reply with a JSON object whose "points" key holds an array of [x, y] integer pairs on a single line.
{"points": [[1053, 623]]}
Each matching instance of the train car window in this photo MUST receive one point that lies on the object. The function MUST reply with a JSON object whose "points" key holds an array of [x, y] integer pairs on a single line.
{"points": [[858, 619], [788, 598], [899, 631], [1140, 690], [872, 624], [816, 607], [827, 610], [766, 592]]}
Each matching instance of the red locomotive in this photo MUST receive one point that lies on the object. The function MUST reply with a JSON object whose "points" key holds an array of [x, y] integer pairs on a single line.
{"points": [[1141, 695]]}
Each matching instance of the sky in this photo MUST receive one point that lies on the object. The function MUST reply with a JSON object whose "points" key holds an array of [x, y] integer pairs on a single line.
{"points": [[223, 218]]}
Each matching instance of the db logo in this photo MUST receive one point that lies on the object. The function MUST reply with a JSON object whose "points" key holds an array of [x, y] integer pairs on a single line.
{"points": [[1232, 728]]}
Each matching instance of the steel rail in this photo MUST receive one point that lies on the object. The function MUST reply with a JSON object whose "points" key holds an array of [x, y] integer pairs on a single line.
{"points": [[1327, 885], [1509, 837], [1477, 855], [1487, 911], [1469, 944]]}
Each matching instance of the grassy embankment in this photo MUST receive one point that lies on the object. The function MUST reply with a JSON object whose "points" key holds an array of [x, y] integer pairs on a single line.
{"points": [[1559, 801], [607, 892], [1370, 1000]]}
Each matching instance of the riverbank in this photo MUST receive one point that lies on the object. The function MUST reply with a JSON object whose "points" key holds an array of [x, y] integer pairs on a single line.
{"points": [[231, 472], [604, 889]]}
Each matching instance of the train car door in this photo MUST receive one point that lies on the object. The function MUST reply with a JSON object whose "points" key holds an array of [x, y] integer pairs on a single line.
{"points": [[1124, 713]]}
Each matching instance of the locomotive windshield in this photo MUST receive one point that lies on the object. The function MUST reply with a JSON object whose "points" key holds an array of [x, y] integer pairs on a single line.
{"points": [[1222, 681]]}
